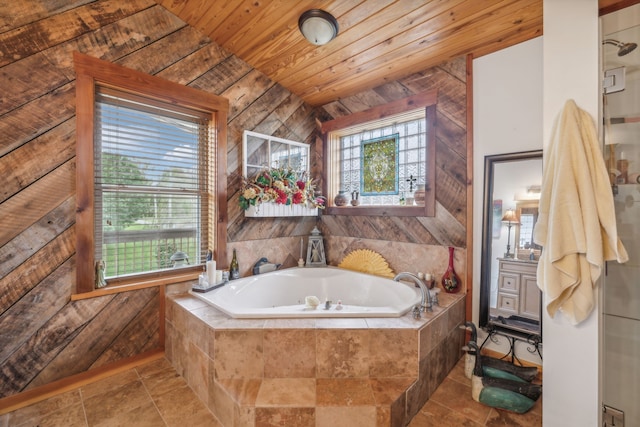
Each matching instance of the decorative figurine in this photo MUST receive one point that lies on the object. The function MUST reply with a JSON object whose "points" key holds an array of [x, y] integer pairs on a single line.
{"points": [[100, 280], [355, 201], [514, 396]]}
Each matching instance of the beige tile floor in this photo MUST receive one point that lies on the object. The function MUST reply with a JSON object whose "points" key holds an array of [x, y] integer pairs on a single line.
{"points": [[451, 405], [155, 395]]}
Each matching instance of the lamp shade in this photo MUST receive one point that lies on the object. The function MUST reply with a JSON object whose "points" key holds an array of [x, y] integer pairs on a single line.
{"points": [[318, 26], [510, 217]]}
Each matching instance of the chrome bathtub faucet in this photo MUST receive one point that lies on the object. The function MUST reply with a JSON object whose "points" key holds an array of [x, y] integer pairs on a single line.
{"points": [[426, 304]]}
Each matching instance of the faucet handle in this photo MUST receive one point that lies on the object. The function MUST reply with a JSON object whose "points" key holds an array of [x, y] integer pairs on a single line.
{"points": [[416, 311]]}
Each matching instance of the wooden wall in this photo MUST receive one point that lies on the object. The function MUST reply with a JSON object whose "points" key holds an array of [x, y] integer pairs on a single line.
{"points": [[406, 243], [448, 227], [44, 336]]}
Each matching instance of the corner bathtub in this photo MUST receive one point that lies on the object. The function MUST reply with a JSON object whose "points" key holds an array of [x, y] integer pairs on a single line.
{"points": [[282, 293]]}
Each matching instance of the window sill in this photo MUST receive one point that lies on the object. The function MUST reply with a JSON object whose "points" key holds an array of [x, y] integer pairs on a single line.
{"points": [[138, 283], [380, 210]]}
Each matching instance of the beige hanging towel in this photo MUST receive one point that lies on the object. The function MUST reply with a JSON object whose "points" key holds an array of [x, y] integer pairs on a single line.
{"points": [[576, 225]]}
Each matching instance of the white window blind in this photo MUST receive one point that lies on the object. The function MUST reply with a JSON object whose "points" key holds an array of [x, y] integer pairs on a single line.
{"points": [[151, 184]]}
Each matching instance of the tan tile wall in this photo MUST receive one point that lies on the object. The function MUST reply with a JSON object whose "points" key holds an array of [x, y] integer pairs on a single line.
{"points": [[401, 256]]}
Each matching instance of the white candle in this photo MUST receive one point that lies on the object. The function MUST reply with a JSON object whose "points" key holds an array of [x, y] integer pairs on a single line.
{"points": [[218, 276], [211, 272], [301, 244]]}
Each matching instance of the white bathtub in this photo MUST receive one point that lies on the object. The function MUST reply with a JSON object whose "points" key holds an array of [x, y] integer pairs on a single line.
{"points": [[282, 294]]}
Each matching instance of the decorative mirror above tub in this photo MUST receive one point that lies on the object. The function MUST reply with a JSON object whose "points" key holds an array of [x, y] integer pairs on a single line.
{"points": [[260, 151], [510, 301]]}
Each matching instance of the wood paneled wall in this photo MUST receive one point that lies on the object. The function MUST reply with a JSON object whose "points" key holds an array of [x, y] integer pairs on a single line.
{"points": [[45, 336], [448, 227]]}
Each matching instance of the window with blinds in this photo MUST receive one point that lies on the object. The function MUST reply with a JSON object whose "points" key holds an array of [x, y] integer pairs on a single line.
{"points": [[152, 183]]}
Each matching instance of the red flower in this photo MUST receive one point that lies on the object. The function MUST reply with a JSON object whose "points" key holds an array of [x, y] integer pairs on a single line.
{"points": [[297, 197], [282, 197], [300, 185]]}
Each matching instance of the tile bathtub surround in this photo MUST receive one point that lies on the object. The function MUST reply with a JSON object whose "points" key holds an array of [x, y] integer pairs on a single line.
{"points": [[450, 405], [279, 363], [401, 256], [279, 250], [340, 371]]}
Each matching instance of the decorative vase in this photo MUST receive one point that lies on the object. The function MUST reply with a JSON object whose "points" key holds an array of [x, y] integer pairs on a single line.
{"points": [[341, 199], [419, 195], [355, 201], [450, 280]]}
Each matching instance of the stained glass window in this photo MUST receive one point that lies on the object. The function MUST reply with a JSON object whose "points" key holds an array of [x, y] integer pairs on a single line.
{"points": [[395, 149]]}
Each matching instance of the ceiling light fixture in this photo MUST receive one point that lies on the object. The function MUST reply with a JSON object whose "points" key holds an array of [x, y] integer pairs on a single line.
{"points": [[318, 26]]}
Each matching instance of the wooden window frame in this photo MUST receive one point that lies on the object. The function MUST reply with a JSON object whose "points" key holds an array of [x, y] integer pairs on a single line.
{"points": [[426, 100], [91, 72], [268, 140]]}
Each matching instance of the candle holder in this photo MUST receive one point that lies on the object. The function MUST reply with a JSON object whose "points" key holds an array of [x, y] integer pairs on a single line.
{"points": [[315, 250], [301, 260]]}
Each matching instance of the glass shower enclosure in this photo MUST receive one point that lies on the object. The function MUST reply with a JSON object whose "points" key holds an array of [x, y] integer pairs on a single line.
{"points": [[620, 345]]}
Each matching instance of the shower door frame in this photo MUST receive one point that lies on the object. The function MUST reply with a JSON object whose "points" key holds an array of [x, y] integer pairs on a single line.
{"points": [[615, 310]]}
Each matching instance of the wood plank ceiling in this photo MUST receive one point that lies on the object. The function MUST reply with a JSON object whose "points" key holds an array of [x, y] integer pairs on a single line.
{"points": [[379, 40]]}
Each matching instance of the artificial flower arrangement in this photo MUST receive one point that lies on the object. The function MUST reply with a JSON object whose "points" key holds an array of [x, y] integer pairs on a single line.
{"points": [[282, 186]]}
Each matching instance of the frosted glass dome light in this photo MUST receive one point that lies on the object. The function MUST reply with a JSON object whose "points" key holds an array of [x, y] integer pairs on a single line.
{"points": [[318, 26]]}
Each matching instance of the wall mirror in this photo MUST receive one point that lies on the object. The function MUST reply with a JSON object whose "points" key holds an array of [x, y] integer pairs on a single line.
{"points": [[265, 151], [510, 301]]}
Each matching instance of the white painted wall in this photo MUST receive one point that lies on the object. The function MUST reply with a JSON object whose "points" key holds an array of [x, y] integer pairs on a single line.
{"points": [[507, 118], [570, 71]]}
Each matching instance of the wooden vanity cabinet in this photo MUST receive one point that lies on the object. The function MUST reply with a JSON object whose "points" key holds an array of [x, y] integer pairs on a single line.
{"points": [[518, 293]]}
